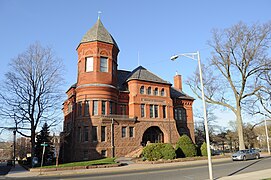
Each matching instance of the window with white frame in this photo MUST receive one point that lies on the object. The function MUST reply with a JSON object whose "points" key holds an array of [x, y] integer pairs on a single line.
{"points": [[142, 90], [162, 92], [103, 64], [155, 92], [142, 108], [95, 107], [123, 132], [86, 109], [131, 131], [89, 64], [149, 90]]}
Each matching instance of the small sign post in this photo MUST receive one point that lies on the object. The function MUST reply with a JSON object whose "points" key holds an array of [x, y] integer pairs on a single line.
{"points": [[43, 151]]}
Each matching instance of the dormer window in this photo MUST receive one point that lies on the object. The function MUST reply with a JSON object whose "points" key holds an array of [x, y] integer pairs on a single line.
{"points": [[142, 90], [103, 64], [89, 64], [149, 91]]}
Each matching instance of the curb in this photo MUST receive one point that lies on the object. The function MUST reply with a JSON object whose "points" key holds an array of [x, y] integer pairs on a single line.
{"points": [[73, 168], [182, 160]]}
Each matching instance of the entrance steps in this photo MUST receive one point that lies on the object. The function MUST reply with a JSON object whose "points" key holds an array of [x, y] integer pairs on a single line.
{"points": [[136, 153]]}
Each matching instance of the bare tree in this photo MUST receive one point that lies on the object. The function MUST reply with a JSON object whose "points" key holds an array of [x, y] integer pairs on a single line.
{"points": [[200, 133], [233, 75], [32, 92]]}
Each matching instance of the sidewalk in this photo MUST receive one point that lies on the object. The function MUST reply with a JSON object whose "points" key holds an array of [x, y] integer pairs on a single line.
{"points": [[257, 175], [19, 171]]}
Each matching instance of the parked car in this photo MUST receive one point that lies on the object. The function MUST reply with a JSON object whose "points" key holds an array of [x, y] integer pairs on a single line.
{"points": [[245, 155], [9, 163]]}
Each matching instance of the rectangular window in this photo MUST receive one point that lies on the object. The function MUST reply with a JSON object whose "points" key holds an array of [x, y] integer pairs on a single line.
{"points": [[85, 133], [131, 131], [103, 107], [95, 107], [123, 109], [142, 107], [70, 107], [103, 64], [79, 134], [164, 112], [85, 155], [79, 109], [103, 133], [151, 111], [179, 114], [176, 114], [111, 107], [156, 111], [86, 110], [89, 64], [123, 132], [94, 134]]}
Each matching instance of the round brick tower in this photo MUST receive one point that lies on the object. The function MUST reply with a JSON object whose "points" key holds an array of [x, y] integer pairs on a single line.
{"points": [[97, 66]]}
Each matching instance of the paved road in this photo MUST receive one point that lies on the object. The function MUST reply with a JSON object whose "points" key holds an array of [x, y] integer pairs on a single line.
{"points": [[4, 169], [195, 172]]}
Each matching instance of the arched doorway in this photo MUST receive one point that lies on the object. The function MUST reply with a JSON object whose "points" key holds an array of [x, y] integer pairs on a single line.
{"points": [[153, 134]]}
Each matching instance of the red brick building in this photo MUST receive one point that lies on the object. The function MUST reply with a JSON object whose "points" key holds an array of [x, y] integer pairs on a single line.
{"points": [[111, 112]]}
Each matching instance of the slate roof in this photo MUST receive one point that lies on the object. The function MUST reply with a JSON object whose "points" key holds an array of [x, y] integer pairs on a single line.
{"points": [[122, 76], [176, 93], [141, 73], [72, 86], [98, 33]]}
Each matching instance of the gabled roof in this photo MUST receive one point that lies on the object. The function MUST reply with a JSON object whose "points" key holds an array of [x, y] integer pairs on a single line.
{"points": [[141, 73], [98, 33]]}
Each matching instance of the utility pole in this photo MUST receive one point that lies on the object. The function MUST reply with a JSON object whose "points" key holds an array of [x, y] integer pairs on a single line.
{"points": [[14, 130]]}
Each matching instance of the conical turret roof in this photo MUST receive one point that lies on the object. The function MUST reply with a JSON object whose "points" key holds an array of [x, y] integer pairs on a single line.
{"points": [[98, 33]]}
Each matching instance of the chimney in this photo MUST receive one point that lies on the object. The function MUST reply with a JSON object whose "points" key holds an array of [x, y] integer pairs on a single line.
{"points": [[178, 82]]}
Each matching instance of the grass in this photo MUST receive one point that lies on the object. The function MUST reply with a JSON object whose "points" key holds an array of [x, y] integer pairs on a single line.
{"points": [[85, 163]]}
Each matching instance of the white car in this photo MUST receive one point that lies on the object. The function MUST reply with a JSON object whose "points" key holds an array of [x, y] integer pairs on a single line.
{"points": [[243, 155]]}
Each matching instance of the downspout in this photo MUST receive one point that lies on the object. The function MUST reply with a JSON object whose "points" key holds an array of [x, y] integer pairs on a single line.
{"points": [[112, 138]]}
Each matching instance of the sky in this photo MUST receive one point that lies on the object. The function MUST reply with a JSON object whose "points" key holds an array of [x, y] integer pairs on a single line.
{"points": [[148, 33]]}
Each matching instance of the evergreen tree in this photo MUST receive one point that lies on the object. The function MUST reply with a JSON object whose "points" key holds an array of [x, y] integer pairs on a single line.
{"points": [[44, 137], [185, 147]]}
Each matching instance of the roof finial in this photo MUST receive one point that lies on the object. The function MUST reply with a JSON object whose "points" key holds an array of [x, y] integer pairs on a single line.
{"points": [[177, 73], [99, 13]]}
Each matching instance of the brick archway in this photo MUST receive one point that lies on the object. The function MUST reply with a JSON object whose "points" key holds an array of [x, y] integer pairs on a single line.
{"points": [[153, 134]]}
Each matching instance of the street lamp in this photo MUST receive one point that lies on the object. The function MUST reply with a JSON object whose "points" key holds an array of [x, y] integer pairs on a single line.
{"points": [[196, 56]]}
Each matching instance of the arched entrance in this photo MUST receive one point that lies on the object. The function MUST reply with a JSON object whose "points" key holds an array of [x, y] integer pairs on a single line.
{"points": [[153, 134]]}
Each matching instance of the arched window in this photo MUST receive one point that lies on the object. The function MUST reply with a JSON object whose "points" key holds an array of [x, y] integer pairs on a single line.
{"points": [[155, 92], [162, 92], [142, 90], [149, 90]]}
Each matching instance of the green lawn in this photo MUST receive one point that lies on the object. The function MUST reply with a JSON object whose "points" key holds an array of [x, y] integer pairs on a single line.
{"points": [[85, 163]]}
